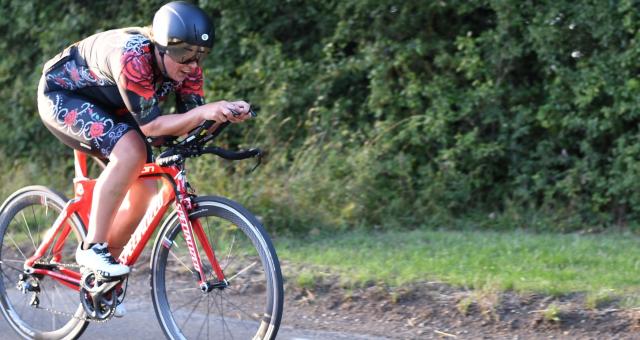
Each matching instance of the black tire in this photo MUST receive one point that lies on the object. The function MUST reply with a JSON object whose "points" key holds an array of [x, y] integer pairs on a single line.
{"points": [[249, 308], [24, 218]]}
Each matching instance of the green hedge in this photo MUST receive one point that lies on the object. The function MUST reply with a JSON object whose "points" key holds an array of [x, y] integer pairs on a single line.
{"points": [[497, 114]]}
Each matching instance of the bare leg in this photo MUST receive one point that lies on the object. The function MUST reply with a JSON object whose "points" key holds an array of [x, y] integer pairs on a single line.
{"points": [[125, 162], [130, 213]]}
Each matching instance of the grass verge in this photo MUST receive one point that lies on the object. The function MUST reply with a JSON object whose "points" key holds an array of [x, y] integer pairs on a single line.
{"points": [[553, 264]]}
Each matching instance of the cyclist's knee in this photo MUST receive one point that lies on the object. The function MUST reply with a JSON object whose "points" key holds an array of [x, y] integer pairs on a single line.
{"points": [[132, 149]]}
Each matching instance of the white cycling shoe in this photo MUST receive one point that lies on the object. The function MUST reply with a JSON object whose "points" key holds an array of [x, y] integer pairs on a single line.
{"points": [[120, 308], [99, 260], [120, 311]]}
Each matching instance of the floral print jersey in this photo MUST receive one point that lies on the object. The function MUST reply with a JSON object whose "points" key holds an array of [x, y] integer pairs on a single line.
{"points": [[117, 70]]}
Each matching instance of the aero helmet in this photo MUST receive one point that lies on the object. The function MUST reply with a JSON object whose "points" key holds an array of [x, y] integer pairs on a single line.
{"points": [[183, 31]]}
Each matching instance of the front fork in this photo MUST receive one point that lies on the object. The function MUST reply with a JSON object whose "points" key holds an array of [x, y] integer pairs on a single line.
{"points": [[184, 204]]}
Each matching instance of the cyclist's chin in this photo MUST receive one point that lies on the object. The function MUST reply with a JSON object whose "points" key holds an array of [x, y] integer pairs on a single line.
{"points": [[178, 76]]}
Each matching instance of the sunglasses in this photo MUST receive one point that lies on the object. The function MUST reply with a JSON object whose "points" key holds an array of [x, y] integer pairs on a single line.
{"points": [[185, 54]]}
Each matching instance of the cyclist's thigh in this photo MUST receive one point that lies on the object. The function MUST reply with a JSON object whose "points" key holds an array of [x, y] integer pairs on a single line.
{"points": [[81, 124]]}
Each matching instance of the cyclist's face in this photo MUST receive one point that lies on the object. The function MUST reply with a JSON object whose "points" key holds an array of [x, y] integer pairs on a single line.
{"points": [[183, 59], [178, 71], [183, 53]]}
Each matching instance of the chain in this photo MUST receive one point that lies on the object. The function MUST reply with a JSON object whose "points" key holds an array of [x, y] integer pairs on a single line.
{"points": [[57, 312], [65, 265]]}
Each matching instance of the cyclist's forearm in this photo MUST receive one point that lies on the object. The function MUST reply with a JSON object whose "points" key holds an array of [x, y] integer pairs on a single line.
{"points": [[173, 124]]}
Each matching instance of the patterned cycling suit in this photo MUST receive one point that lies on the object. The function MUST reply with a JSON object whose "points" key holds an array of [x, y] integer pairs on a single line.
{"points": [[98, 89]]}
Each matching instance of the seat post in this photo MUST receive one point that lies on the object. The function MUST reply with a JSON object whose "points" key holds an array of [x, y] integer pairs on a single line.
{"points": [[83, 188], [80, 161]]}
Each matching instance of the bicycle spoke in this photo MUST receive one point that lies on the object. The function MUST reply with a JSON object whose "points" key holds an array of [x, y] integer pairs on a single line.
{"points": [[24, 303], [192, 310], [224, 322], [44, 293], [67, 302], [202, 326], [11, 260], [12, 267], [208, 318], [7, 276], [250, 317], [29, 214], [55, 298], [188, 303], [53, 316], [243, 270], [239, 314], [214, 243], [183, 282], [181, 262], [46, 212], [26, 225], [228, 262], [192, 289], [15, 244], [45, 300], [229, 253], [240, 307]]}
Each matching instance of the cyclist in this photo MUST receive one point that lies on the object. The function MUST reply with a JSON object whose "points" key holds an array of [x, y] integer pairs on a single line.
{"points": [[101, 96]]}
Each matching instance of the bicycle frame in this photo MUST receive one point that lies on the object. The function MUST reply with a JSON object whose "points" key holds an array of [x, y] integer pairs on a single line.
{"points": [[174, 189]]}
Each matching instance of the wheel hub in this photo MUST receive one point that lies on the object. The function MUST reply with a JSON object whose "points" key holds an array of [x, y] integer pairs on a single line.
{"points": [[207, 287]]}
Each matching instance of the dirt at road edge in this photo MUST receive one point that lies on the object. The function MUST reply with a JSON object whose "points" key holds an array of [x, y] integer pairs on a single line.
{"points": [[436, 310]]}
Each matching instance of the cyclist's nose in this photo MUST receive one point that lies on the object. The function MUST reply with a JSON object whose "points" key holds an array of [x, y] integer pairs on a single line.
{"points": [[192, 65]]}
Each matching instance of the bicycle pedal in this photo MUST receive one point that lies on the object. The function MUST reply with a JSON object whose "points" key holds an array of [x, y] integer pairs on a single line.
{"points": [[102, 278], [99, 275]]}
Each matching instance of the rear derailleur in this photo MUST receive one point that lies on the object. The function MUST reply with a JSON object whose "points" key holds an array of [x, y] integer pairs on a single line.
{"points": [[30, 284]]}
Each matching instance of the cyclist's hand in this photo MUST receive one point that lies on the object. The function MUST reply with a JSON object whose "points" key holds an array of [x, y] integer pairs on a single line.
{"points": [[223, 111], [241, 111], [218, 111]]}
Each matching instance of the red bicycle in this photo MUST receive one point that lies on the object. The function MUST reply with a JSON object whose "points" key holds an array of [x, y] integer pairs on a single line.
{"points": [[214, 270]]}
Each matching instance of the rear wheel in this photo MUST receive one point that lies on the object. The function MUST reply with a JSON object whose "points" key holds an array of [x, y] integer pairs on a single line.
{"points": [[250, 307], [24, 219]]}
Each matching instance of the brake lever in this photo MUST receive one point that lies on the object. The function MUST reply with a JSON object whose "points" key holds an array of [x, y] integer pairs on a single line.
{"points": [[258, 162], [199, 132], [237, 114]]}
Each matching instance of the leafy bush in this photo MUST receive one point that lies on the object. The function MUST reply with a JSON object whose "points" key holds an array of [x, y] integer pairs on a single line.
{"points": [[385, 113]]}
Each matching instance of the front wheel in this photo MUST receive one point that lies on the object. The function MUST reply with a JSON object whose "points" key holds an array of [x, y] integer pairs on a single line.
{"points": [[250, 307]]}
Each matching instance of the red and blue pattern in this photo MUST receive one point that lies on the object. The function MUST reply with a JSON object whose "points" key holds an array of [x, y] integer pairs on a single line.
{"points": [[72, 77], [101, 87]]}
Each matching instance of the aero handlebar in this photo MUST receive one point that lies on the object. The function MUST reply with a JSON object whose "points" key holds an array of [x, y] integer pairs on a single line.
{"points": [[193, 145]]}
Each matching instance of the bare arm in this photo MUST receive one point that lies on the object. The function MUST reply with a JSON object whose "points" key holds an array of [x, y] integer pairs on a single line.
{"points": [[172, 125], [180, 124]]}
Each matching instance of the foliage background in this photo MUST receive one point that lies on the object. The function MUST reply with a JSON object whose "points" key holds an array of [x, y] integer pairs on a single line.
{"points": [[385, 114]]}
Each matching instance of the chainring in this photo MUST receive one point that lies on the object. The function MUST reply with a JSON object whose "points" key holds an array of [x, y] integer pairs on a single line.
{"points": [[97, 296]]}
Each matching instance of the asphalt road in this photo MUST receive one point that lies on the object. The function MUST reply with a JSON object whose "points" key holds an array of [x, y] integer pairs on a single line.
{"points": [[140, 323]]}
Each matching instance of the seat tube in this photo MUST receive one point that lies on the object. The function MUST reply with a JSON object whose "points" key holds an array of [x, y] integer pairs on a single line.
{"points": [[80, 162]]}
